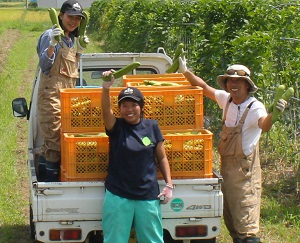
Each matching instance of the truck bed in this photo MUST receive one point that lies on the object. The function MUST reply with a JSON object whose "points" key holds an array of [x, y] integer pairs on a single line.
{"points": [[77, 205], [67, 201]]}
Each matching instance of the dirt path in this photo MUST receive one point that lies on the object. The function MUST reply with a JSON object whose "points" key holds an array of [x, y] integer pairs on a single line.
{"points": [[24, 231], [7, 40], [20, 232]]}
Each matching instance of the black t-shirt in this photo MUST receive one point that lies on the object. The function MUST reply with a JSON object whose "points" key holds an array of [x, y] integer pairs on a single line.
{"points": [[132, 171]]}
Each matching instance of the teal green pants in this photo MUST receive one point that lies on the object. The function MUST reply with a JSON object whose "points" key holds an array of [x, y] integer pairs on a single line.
{"points": [[120, 214]]}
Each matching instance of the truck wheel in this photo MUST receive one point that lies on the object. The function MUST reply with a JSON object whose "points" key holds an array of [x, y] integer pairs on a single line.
{"points": [[213, 240], [32, 226], [168, 238], [94, 238]]}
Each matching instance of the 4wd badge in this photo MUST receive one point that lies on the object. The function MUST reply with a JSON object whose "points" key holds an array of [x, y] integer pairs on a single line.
{"points": [[177, 204]]}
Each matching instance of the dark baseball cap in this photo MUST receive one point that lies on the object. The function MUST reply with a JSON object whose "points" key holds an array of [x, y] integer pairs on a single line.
{"points": [[72, 7], [132, 93]]}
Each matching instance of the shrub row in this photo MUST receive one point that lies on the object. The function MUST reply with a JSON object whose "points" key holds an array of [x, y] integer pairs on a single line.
{"points": [[215, 33]]}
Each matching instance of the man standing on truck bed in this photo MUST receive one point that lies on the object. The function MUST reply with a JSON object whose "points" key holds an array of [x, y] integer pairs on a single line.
{"points": [[132, 191], [244, 118], [58, 61]]}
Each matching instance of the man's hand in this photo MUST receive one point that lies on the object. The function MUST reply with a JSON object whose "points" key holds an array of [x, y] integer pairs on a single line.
{"points": [[182, 65], [167, 193], [54, 33], [108, 84], [281, 105]]}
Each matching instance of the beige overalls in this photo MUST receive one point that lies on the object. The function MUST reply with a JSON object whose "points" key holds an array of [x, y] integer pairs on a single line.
{"points": [[242, 181], [63, 74]]}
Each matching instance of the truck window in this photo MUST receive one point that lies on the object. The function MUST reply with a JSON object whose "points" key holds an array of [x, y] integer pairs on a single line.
{"points": [[92, 77]]}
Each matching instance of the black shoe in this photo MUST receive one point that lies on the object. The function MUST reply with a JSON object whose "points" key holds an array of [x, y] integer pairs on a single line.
{"points": [[52, 171], [237, 240], [41, 173], [252, 240]]}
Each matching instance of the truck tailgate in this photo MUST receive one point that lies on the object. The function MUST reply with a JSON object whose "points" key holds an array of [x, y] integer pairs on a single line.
{"points": [[69, 201], [195, 198], [83, 200]]}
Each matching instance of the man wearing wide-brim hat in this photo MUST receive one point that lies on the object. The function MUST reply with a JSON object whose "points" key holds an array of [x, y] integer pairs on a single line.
{"points": [[244, 118], [236, 71]]}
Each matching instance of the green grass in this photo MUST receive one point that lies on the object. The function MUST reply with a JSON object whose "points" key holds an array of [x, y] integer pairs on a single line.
{"points": [[280, 208], [11, 202], [18, 61], [280, 204], [21, 61], [12, 4], [279, 223]]}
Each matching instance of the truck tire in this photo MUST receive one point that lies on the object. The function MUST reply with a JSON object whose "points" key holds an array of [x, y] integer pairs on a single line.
{"points": [[213, 240], [94, 238], [168, 238], [32, 226]]}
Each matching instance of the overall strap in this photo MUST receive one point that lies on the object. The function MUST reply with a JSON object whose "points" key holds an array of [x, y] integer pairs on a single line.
{"points": [[226, 109], [242, 120]]}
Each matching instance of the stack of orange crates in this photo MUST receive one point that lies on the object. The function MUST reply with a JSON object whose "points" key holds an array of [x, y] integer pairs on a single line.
{"points": [[178, 110], [84, 145]]}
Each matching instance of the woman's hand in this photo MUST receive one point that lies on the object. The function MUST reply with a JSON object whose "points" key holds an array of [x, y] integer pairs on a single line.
{"points": [[108, 84], [167, 192]]}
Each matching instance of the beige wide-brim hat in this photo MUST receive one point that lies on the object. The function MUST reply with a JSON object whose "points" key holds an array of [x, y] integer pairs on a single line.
{"points": [[221, 79]]}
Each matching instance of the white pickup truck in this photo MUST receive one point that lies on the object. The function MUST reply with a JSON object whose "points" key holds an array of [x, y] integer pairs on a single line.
{"points": [[72, 211]]}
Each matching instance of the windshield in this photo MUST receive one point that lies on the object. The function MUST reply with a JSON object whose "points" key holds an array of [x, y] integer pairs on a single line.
{"points": [[92, 77]]}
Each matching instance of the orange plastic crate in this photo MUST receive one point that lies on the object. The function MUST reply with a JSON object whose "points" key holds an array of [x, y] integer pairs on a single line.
{"points": [[84, 158], [158, 75], [173, 108], [168, 77], [141, 84], [81, 109], [189, 155]]}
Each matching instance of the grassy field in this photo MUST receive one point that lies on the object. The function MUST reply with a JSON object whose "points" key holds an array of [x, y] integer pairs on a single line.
{"points": [[19, 31]]}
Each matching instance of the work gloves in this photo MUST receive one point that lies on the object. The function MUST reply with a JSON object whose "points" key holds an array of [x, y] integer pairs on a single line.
{"points": [[108, 84], [281, 105], [182, 65], [54, 33], [167, 193], [80, 49]]}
